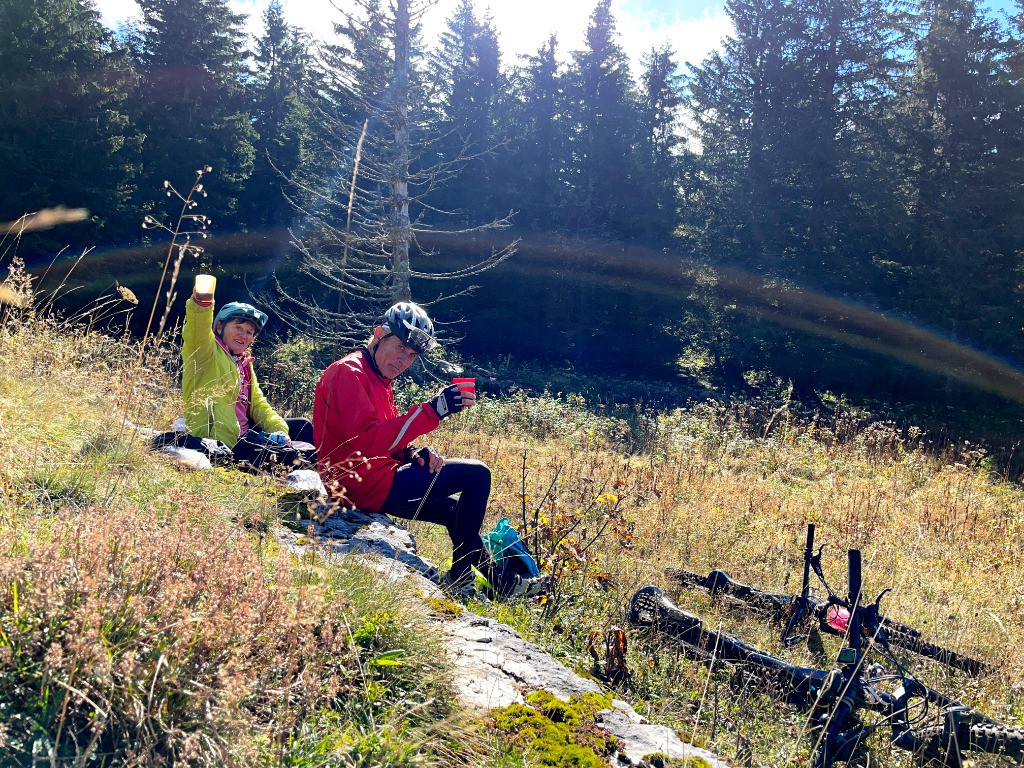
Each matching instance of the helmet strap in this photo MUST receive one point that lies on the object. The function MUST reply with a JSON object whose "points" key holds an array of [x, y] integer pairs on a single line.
{"points": [[372, 350]]}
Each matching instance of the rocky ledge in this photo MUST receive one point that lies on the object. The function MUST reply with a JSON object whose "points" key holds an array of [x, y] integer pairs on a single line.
{"points": [[494, 666]]}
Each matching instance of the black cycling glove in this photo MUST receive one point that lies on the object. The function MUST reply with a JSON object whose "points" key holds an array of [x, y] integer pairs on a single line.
{"points": [[447, 402], [412, 453]]}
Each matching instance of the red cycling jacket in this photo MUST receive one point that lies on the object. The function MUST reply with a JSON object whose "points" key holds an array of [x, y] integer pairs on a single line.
{"points": [[359, 436]]}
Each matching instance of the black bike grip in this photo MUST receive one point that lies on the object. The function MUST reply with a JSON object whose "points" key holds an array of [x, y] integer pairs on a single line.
{"points": [[854, 569]]}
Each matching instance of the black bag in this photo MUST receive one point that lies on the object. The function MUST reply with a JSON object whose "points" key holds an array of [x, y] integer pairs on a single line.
{"points": [[260, 451]]}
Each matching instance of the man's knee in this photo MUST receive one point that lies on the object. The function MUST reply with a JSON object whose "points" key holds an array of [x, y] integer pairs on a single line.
{"points": [[472, 467]]}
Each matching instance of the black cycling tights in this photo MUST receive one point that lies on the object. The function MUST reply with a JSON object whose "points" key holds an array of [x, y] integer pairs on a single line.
{"points": [[457, 500]]}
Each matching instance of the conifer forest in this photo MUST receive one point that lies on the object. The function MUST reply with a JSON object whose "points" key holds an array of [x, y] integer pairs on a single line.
{"points": [[833, 195]]}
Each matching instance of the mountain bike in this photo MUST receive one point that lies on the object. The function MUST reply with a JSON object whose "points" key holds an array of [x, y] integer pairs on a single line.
{"points": [[921, 720], [798, 611]]}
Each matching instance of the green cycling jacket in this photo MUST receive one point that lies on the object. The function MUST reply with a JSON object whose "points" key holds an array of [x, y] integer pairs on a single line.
{"points": [[210, 382]]}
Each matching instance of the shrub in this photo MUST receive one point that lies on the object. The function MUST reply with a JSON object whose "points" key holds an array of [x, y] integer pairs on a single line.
{"points": [[141, 642]]}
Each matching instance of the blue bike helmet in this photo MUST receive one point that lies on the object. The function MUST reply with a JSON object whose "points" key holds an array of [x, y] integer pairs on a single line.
{"points": [[237, 310]]}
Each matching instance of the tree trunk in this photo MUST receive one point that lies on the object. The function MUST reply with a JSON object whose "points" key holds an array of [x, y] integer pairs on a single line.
{"points": [[400, 228]]}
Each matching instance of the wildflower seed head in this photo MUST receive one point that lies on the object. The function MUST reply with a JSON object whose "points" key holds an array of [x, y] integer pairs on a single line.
{"points": [[127, 294]]}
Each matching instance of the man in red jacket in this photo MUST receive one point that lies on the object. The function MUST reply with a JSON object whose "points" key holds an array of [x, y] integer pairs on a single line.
{"points": [[366, 454]]}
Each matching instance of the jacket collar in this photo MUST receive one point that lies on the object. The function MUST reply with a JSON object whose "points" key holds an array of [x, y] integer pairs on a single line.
{"points": [[368, 355]]}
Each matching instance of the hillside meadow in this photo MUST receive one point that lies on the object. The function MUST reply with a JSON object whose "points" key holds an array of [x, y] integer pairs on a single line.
{"points": [[148, 616]]}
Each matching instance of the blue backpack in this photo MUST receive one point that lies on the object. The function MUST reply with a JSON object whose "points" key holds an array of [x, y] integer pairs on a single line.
{"points": [[510, 555]]}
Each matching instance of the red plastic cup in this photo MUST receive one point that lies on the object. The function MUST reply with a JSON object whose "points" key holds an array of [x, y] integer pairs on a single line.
{"points": [[465, 385]]}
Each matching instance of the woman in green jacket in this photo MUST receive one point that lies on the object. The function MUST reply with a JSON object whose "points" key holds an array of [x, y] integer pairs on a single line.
{"points": [[222, 396]]}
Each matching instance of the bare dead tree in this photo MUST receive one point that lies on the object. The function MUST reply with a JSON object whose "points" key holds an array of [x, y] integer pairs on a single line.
{"points": [[356, 239]]}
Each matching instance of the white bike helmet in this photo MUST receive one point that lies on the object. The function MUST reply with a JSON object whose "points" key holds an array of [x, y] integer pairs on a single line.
{"points": [[410, 323]]}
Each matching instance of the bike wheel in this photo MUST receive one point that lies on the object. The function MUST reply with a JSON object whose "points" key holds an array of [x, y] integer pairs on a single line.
{"points": [[687, 579], [912, 641], [993, 738]]}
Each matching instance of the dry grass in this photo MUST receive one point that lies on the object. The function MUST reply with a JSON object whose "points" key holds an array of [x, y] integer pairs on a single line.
{"points": [[145, 616], [733, 488], [153, 619]]}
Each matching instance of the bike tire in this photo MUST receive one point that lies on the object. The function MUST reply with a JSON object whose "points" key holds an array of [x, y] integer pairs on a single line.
{"points": [[914, 643], [992, 738], [650, 608]]}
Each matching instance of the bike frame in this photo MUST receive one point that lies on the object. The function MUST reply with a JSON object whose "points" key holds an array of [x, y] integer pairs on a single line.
{"points": [[796, 610]]}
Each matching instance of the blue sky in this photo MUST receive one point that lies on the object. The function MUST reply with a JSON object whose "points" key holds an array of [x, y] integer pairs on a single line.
{"points": [[692, 27]]}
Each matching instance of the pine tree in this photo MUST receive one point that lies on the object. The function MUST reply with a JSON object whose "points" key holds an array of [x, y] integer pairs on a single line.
{"points": [[64, 137], [737, 98], [786, 123], [534, 148], [463, 82], [957, 255], [191, 103], [844, 66], [661, 145], [282, 118], [603, 135], [793, 122], [358, 240], [1009, 178]]}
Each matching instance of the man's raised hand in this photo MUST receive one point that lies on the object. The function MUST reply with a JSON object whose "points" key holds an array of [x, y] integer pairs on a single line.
{"points": [[448, 401]]}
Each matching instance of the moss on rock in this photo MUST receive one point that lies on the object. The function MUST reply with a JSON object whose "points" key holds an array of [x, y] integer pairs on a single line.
{"points": [[556, 733], [661, 760]]}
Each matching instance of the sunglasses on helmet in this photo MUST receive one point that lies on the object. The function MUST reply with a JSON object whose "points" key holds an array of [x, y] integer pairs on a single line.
{"points": [[419, 340]]}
